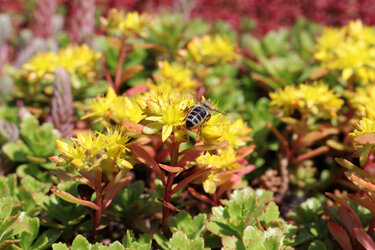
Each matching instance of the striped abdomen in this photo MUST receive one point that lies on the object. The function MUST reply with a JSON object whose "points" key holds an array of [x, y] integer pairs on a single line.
{"points": [[196, 115]]}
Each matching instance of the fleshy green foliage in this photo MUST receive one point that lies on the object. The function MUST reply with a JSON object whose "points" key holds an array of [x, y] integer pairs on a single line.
{"points": [[192, 227], [311, 226], [132, 207], [24, 193], [10, 225], [254, 238], [187, 232], [31, 239], [37, 142], [59, 213], [246, 208], [282, 56], [80, 242], [130, 242], [179, 240]]}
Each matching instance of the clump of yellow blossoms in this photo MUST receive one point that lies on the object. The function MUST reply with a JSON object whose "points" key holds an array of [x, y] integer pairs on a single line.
{"points": [[225, 163], [166, 110], [116, 108], [88, 151], [218, 129], [315, 98], [175, 75], [79, 61], [362, 99], [350, 49], [119, 24], [212, 49]]}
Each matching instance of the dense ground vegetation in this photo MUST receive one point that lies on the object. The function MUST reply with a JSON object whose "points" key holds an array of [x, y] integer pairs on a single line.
{"points": [[96, 152]]}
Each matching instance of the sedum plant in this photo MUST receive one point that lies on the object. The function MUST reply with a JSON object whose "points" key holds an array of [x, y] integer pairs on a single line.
{"points": [[302, 108]]}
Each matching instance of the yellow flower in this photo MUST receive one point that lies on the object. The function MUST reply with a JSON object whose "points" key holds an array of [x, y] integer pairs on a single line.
{"points": [[362, 99], [225, 162], [117, 108], [212, 49], [87, 150], [315, 98], [79, 61], [166, 110], [119, 24], [41, 66], [350, 49], [177, 76], [218, 129], [366, 125]]}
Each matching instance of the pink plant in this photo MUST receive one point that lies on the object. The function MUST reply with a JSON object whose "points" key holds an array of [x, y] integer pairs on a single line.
{"points": [[43, 14], [81, 20]]}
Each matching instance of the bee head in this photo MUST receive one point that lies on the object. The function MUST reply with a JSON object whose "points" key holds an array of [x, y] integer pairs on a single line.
{"points": [[207, 104]]}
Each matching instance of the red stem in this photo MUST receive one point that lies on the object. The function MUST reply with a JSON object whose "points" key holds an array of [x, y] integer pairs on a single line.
{"points": [[99, 193], [168, 187], [120, 62], [106, 73]]}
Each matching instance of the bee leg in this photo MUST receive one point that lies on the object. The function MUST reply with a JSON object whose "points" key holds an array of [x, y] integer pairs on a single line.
{"points": [[200, 126]]}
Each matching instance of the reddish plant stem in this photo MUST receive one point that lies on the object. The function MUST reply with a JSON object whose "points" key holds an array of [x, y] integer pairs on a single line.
{"points": [[168, 187], [99, 197], [120, 62], [106, 73], [310, 154]]}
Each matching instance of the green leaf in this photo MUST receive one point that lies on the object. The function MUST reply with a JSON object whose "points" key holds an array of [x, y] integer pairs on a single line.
{"points": [[162, 241], [317, 245], [193, 227], [232, 243], [46, 239], [14, 152], [59, 246], [144, 242], [272, 213], [29, 235], [81, 243]]}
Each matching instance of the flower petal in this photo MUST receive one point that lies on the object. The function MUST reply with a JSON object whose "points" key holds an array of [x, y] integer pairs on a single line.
{"points": [[167, 131], [151, 128]]}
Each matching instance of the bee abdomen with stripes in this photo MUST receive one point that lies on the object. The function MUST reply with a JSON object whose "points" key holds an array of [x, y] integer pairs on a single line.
{"points": [[198, 114]]}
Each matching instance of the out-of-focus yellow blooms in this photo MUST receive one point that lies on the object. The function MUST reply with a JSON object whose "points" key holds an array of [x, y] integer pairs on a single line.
{"points": [[314, 99], [180, 78], [212, 49], [350, 49], [119, 24], [79, 61]]}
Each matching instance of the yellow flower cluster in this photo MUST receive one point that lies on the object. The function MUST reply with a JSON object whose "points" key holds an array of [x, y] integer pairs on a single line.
{"points": [[366, 125], [166, 110], [116, 108], [225, 163], [212, 49], [119, 24], [180, 78], [350, 49], [315, 98], [363, 99], [218, 128], [88, 151], [79, 61]]}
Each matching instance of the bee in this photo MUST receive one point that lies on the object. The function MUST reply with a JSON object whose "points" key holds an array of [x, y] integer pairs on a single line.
{"points": [[199, 113]]}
